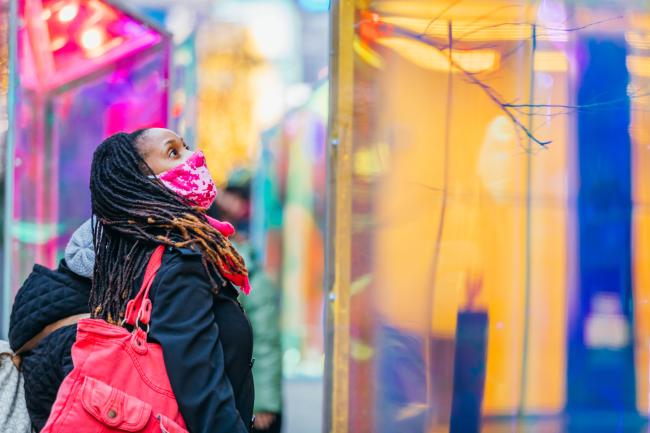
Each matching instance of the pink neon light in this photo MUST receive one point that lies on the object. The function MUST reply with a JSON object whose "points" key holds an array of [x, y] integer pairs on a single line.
{"points": [[70, 39]]}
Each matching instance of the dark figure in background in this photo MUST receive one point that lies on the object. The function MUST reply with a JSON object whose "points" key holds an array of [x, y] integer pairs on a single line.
{"points": [[233, 204], [205, 336]]}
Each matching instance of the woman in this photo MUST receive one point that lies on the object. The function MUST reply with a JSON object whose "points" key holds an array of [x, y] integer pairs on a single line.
{"points": [[148, 188], [43, 318]]}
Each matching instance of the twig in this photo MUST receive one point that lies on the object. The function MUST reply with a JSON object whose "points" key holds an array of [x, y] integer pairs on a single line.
{"points": [[493, 11], [488, 90], [586, 26], [440, 14], [509, 109], [524, 23], [578, 107]]}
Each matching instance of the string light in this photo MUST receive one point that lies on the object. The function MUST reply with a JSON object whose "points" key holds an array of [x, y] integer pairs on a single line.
{"points": [[68, 13], [92, 38]]}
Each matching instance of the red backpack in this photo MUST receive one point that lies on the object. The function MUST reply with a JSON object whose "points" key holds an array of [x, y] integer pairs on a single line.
{"points": [[119, 382]]}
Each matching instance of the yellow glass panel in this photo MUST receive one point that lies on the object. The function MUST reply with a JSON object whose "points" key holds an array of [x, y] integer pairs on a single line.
{"points": [[464, 188]]}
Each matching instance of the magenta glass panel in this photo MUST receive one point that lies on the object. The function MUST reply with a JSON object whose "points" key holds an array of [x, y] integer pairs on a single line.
{"points": [[109, 74]]}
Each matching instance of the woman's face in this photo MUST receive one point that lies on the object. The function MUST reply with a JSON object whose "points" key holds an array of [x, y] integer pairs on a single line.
{"points": [[163, 149]]}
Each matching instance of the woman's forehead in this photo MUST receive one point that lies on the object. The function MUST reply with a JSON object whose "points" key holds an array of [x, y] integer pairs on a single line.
{"points": [[159, 136]]}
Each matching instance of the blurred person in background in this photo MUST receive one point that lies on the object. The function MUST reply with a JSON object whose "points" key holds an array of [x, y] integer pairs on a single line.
{"points": [[233, 204], [43, 322]]}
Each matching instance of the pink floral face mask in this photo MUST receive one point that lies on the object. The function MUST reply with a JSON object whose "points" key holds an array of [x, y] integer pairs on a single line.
{"points": [[192, 181]]}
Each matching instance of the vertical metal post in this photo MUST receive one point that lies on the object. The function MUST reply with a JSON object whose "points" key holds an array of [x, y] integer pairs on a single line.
{"points": [[168, 48], [528, 234], [428, 334], [339, 204], [9, 167]]}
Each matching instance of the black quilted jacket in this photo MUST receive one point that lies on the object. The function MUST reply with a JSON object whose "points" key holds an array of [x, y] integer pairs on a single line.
{"points": [[45, 297]]}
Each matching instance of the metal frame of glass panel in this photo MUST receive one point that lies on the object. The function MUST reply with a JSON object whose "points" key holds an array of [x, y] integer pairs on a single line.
{"points": [[5, 302]]}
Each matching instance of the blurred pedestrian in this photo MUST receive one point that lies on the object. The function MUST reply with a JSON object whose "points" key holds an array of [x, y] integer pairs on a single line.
{"points": [[233, 204]]}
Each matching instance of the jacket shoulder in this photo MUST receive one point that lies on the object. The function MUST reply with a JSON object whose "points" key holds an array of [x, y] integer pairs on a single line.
{"points": [[187, 264], [45, 297]]}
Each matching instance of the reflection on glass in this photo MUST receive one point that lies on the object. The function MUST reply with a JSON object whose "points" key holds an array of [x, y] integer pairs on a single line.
{"points": [[290, 189], [86, 70], [488, 161]]}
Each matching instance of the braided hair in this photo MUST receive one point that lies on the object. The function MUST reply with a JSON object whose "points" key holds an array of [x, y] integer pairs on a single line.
{"points": [[134, 213]]}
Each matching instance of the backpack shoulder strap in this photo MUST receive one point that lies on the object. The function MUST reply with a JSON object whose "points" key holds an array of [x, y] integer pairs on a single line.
{"points": [[33, 342]]}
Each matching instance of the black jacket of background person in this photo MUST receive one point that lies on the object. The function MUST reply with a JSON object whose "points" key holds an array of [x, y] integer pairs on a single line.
{"points": [[45, 297], [207, 353]]}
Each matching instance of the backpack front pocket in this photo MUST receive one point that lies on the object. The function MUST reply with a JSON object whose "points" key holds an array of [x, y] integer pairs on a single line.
{"points": [[114, 408]]}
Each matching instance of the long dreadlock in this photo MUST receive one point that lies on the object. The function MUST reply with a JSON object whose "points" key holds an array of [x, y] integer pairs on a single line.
{"points": [[135, 212]]}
